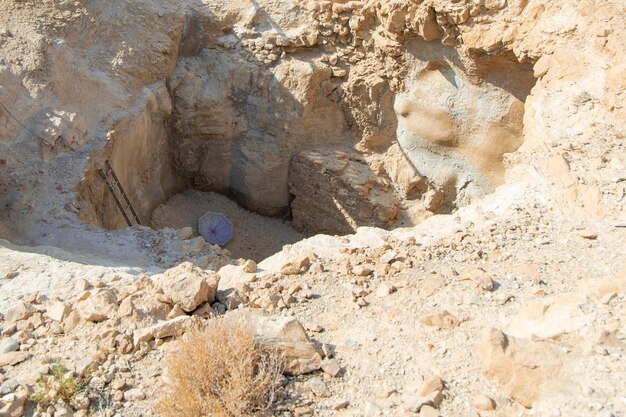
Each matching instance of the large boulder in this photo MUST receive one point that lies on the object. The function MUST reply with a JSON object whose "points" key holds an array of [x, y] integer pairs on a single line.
{"points": [[520, 366], [189, 286], [97, 305], [550, 317], [283, 333]]}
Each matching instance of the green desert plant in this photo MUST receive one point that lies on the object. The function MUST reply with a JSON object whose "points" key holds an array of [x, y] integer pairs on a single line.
{"points": [[58, 385]]}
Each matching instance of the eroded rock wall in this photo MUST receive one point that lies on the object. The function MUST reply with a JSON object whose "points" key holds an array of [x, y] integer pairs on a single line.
{"points": [[252, 94], [435, 84], [341, 190], [237, 125], [139, 151]]}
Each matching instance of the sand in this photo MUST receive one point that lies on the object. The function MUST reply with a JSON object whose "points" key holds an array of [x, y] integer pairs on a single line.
{"points": [[255, 237]]}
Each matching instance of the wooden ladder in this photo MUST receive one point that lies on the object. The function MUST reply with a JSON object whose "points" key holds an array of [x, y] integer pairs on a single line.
{"points": [[121, 199]]}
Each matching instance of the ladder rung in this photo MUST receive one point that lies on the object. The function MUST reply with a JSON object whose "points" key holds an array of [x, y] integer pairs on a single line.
{"points": [[114, 185]]}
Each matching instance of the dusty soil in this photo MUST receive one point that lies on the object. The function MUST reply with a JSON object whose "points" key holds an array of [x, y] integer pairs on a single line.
{"points": [[255, 237]]}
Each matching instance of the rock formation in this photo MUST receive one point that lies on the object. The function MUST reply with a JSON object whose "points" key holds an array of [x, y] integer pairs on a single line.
{"points": [[456, 165]]}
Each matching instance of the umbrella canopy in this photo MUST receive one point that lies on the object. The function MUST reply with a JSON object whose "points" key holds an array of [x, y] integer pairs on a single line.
{"points": [[215, 228]]}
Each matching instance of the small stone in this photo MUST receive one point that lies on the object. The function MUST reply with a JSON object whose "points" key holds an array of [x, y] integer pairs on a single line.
{"points": [[59, 311], [13, 358], [316, 268], [502, 298], [185, 233], [435, 398], [360, 292], [428, 411], [441, 320], [331, 367], [372, 409], [189, 286], [479, 277], [11, 275], [316, 328], [340, 404], [296, 263], [8, 386], [20, 311], [388, 257], [318, 387], [303, 411], [118, 396], [588, 234], [71, 321], [384, 290], [361, 270], [9, 330], [219, 308], [249, 266], [80, 402], [484, 403], [8, 345], [205, 311], [163, 329], [176, 311], [294, 288], [327, 350], [12, 405], [134, 394], [63, 410], [82, 285], [432, 384], [126, 307], [118, 384], [415, 404]]}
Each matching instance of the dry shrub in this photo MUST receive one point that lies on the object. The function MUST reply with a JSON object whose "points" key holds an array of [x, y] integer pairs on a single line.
{"points": [[220, 371]]}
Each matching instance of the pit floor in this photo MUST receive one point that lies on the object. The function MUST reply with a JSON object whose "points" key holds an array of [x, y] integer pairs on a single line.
{"points": [[255, 237]]}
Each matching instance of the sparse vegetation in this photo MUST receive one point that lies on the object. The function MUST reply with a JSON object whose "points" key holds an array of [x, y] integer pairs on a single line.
{"points": [[59, 384], [220, 371]]}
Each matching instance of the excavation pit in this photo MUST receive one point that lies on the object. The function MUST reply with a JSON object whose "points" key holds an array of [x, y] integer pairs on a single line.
{"points": [[255, 237], [296, 139]]}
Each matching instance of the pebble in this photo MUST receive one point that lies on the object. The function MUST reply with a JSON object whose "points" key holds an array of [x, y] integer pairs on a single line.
{"points": [[8, 386], [318, 387], [134, 394], [331, 367], [371, 409], [415, 404], [340, 404], [428, 411], [361, 270], [432, 384], [8, 345], [384, 290], [483, 403]]}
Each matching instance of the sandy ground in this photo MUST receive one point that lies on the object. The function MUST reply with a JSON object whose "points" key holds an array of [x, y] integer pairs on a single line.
{"points": [[255, 237]]}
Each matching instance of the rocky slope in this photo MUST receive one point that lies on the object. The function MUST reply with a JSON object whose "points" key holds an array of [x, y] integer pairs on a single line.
{"points": [[492, 131]]}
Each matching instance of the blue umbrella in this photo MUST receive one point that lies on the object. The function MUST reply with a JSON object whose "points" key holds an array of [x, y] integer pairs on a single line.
{"points": [[215, 228]]}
